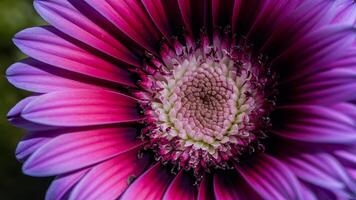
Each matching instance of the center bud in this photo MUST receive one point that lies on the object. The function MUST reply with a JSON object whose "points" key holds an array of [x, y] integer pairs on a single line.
{"points": [[206, 105]]}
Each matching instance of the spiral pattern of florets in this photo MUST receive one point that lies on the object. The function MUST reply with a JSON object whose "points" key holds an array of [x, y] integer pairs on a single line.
{"points": [[208, 104]]}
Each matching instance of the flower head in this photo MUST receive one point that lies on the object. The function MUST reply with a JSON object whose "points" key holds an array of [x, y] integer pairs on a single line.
{"points": [[185, 99]]}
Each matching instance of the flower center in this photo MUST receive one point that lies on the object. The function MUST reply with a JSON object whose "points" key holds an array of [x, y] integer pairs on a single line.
{"points": [[208, 104]]}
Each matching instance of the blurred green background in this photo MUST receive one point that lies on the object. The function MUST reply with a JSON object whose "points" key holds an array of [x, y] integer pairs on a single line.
{"points": [[15, 15]]}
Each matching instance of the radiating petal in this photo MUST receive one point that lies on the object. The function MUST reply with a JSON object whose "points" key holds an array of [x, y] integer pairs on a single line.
{"points": [[205, 191], [67, 18], [325, 88], [222, 12], [48, 45], [271, 179], [39, 77], [81, 108], [131, 18], [62, 185], [312, 53], [314, 124], [346, 12], [110, 178], [320, 169], [307, 17], [151, 185], [229, 186], [181, 188], [78, 149]]}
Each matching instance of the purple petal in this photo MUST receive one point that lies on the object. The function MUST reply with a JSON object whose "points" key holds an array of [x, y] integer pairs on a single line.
{"points": [[307, 17], [149, 186], [181, 188], [320, 169], [81, 108], [314, 124], [228, 186], [110, 179], [62, 185], [222, 12], [48, 45], [39, 77], [82, 148], [271, 179], [64, 16], [312, 53]]}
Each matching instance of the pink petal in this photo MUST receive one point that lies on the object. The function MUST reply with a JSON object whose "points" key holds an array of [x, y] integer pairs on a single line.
{"points": [[130, 17], [165, 16], [64, 16], [149, 186], [75, 150], [110, 178], [39, 77], [48, 45], [271, 179], [62, 185], [181, 188], [81, 108]]}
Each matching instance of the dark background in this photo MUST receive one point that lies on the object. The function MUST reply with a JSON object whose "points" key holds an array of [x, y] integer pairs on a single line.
{"points": [[15, 15]]}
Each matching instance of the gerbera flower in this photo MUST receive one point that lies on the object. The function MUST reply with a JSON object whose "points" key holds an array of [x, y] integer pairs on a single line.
{"points": [[188, 99]]}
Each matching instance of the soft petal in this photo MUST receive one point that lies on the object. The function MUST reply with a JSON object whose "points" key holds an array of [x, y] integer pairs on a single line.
{"points": [[181, 188], [205, 191], [63, 184], [314, 124], [312, 53], [110, 179], [67, 18], [39, 77], [320, 169], [151, 185], [75, 150], [81, 108], [271, 179], [50, 46], [310, 15], [131, 18], [229, 186]]}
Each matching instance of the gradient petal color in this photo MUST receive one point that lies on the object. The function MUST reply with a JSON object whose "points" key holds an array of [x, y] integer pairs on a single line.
{"points": [[75, 150], [95, 70], [81, 108]]}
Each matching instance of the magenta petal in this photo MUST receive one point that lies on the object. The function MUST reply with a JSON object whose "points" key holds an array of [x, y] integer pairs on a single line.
{"points": [[81, 108], [48, 45], [271, 179], [181, 188], [110, 178], [346, 12], [39, 77], [205, 191], [315, 124], [151, 185], [222, 12], [64, 16], [228, 186], [131, 18], [62, 185], [75, 150]]}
